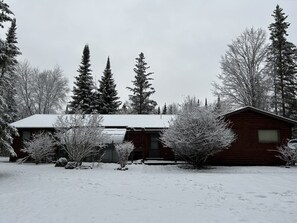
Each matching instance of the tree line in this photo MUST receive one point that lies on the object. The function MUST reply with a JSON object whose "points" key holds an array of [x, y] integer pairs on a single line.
{"points": [[89, 99]]}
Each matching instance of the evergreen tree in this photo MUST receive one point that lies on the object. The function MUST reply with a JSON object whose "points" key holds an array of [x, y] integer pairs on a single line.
{"points": [[142, 90], [5, 13], [107, 94], [170, 109], [158, 110], [124, 109], [164, 112], [218, 106], [291, 80], [10, 51], [8, 67], [5, 16], [283, 58], [6, 131], [83, 96]]}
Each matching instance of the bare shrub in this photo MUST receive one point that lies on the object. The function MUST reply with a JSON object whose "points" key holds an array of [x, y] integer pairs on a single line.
{"points": [[40, 147], [80, 135], [287, 154], [123, 151]]}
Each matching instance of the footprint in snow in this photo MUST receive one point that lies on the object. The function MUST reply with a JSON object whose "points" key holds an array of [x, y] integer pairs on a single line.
{"points": [[261, 196]]}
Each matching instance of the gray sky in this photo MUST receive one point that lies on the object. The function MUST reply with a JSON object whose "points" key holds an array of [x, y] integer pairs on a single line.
{"points": [[182, 40]]}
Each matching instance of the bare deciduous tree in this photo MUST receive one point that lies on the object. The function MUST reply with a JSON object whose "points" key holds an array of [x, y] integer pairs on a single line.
{"points": [[80, 135], [39, 92], [40, 147], [197, 133], [244, 79]]}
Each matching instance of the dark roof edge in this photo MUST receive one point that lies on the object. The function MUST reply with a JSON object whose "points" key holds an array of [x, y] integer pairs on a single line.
{"points": [[250, 108]]}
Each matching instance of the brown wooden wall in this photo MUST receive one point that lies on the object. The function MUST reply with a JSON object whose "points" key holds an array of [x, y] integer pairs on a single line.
{"points": [[247, 150], [142, 143]]}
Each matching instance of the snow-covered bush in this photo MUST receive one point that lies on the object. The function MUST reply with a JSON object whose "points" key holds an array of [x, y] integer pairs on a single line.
{"points": [[40, 147], [61, 162], [123, 151], [71, 165], [196, 134], [287, 154], [80, 135]]}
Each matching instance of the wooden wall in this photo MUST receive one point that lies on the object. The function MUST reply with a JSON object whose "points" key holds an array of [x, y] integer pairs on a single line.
{"points": [[247, 150], [142, 143]]}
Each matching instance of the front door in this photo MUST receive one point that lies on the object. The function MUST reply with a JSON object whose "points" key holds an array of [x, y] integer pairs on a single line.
{"points": [[154, 149]]}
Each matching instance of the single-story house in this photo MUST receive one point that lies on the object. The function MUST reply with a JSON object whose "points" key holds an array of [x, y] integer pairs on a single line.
{"points": [[142, 130], [258, 132]]}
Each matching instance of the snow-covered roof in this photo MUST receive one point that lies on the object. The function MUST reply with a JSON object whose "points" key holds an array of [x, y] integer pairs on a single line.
{"points": [[125, 121], [291, 121]]}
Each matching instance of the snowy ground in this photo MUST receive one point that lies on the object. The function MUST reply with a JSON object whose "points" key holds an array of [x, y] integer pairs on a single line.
{"points": [[157, 194]]}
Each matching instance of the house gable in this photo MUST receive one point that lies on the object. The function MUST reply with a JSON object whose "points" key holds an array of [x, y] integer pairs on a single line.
{"points": [[248, 149]]}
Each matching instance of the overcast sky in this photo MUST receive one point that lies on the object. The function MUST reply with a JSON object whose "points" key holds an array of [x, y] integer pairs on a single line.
{"points": [[182, 40]]}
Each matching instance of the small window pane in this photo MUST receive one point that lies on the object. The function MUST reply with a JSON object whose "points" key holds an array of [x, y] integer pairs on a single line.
{"points": [[26, 135], [268, 136]]}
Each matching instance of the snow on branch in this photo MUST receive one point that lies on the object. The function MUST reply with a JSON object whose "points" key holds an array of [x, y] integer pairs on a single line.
{"points": [[196, 134], [80, 136], [40, 147], [287, 154], [123, 151]]}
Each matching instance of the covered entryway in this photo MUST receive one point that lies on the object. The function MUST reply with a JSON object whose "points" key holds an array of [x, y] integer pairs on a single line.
{"points": [[114, 136], [154, 147]]}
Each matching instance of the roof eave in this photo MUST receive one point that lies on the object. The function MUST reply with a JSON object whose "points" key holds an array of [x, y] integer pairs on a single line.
{"points": [[288, 120]]}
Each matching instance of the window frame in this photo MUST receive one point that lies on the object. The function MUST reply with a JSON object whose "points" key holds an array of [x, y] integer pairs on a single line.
{"points": [[265, 141]]}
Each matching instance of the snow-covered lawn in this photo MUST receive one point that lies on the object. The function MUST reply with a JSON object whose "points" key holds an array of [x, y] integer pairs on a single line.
{"points": [[42, 193]]}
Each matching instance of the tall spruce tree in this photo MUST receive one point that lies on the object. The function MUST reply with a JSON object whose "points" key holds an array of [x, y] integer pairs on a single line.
{"points": [[142, 90], [83, 95], [9, 68], [164, 112], [11, 51], [108, 102], [6, 131], [5, 16], [283, 58]]}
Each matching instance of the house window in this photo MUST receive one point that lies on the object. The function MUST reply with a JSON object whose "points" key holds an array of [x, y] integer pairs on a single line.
{"points": [[26, 136], [268, 136], [154, 141]]}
